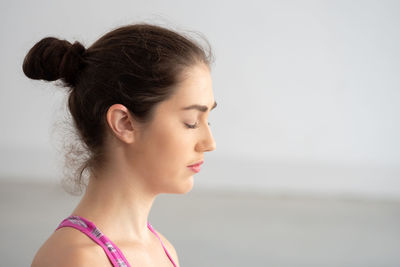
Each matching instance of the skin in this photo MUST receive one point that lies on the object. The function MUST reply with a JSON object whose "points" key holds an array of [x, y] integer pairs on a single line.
{"points": [[143, 161]]}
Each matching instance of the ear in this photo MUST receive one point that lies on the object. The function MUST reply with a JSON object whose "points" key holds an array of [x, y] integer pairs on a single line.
{"points": [[121, 123]]}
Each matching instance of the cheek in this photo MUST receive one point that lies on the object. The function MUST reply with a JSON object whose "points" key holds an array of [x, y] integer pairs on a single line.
{"points": [[168, 165], [170, 150]]}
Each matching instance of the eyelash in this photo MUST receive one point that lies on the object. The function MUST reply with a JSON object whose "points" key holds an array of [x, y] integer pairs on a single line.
{"points": [[194, 126]]}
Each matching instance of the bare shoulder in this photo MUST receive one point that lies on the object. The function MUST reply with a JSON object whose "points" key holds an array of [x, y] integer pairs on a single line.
{"points": [[169, 247], [69, 247]]}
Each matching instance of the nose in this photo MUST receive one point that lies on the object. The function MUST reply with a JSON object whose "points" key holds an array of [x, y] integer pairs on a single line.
{"points": [[207, 142]]}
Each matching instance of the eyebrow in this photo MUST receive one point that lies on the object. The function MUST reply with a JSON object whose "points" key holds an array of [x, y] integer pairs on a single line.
{"points": [[200, 107]]}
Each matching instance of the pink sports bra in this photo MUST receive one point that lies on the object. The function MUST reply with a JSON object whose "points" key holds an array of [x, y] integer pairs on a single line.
{"points": [[114, 254]]}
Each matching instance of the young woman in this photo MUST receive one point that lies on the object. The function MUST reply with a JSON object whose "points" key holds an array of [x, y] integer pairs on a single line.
{"points": [[139, 97]]}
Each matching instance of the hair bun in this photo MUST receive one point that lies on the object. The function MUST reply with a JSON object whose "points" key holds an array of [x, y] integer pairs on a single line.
{"points": [[51, 59]]}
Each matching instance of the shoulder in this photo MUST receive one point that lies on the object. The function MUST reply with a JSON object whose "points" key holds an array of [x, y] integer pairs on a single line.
{"points": [[169, 247], [69, 247]]}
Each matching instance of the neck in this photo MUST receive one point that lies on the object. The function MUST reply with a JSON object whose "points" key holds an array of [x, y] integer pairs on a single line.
{"points": [[119, 207]]}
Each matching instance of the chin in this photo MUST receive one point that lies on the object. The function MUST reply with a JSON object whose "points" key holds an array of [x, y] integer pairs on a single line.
{"points": [[185, 187]]}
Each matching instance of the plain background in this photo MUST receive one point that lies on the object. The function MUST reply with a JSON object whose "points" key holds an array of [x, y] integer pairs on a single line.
{"points": [[308, 104]]}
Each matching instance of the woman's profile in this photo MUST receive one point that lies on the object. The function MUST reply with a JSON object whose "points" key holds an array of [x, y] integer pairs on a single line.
{"points": [[140, 98]]}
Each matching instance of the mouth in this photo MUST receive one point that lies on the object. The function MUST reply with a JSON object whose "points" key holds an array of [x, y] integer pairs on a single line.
{"points": [[196, 167]]}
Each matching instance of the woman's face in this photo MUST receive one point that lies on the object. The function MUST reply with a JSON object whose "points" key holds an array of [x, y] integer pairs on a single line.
{"points": [[167, 146]]}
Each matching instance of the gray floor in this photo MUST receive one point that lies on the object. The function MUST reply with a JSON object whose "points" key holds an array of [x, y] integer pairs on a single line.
{"points": [[210, 228]]}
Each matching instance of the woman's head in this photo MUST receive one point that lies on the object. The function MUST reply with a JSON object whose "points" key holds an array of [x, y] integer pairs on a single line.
{"points": [[157, 157], [137, 66]]}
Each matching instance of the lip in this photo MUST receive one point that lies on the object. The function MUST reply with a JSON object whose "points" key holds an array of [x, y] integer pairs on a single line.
{"points": [[196, 167], [196, 164]]}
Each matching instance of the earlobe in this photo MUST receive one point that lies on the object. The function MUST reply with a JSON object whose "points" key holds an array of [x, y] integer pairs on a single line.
{"points": [[120, 122]]}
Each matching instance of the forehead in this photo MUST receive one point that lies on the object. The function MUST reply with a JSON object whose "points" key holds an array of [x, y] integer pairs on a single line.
{"points": [[195, 88]]}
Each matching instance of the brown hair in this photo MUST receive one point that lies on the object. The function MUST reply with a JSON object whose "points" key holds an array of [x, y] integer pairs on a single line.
{"points": [[136, 65]]}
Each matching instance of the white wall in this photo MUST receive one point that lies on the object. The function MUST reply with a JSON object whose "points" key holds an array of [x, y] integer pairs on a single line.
{"points": [[306, 88]]}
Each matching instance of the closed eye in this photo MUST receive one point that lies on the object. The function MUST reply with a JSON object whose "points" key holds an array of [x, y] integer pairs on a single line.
{"points": [[194, 126]]}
